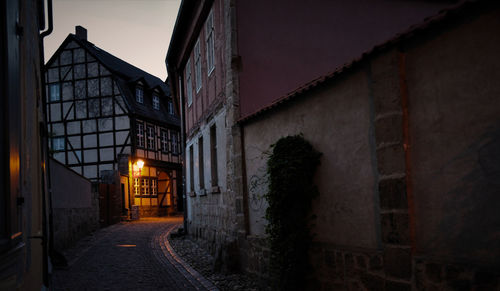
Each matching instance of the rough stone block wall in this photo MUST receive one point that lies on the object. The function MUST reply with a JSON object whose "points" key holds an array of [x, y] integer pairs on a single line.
{"points": [[213, 222]]}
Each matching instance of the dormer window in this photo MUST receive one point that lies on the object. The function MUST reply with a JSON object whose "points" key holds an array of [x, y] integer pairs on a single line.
{"points": [[139, 95], [170, 107], [156, 102]]}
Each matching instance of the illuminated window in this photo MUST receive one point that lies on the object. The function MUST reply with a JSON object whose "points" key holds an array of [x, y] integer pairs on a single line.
{"points": [[197, 65], [209, 32], [154, 187], [156, 102], [140, 135], [139, 95], [189, 83], [137, 187], [145, 187], [54, 92]]}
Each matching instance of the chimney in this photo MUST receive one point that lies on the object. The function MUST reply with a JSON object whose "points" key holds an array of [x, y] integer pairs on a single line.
{"points": [[81, 32]]}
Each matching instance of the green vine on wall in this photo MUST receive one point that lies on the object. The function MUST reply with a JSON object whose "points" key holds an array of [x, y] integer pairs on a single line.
{"points": [[290, 169]]}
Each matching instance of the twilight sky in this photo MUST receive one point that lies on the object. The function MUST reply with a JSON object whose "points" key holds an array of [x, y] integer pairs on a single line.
{"points": [[136, 31]]}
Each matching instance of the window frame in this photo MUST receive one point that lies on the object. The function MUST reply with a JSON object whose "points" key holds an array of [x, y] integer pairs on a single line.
{"points": [[210, 42], [191, 169], [170, 107], [139, 135], [139, 95], [60, 140], [201, 167], [55, 88], [213, 156], [174, 140], [189, 83], [146, 187], [156, 101], [197, 65], [164, 141], [150, 138]]}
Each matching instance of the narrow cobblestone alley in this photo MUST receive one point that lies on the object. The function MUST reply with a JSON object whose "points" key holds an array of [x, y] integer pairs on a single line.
{"points": [[129, 256]]}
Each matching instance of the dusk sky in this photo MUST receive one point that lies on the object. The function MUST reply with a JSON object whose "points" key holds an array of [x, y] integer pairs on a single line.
{"points": [[136, 31]]}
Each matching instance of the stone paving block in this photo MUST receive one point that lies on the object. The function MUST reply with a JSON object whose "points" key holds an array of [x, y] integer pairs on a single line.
{"points": [[128, 256]]}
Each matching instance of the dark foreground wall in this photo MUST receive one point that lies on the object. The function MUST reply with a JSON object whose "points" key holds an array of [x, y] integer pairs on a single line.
{"points": [[75, 205]]}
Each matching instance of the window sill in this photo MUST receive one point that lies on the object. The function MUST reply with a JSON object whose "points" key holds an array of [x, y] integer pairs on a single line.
{"points": [[192, 194], [215, 190], [202, 192]]}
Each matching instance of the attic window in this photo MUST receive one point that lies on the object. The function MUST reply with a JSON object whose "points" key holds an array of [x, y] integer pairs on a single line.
{"points": [[156, 102], [139, 95]]}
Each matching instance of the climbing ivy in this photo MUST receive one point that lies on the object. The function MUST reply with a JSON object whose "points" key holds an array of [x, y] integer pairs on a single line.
{"points": [[290, 168]]}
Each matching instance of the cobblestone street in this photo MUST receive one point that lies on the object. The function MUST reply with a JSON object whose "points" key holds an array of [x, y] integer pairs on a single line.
{"points": [[129, 256]]}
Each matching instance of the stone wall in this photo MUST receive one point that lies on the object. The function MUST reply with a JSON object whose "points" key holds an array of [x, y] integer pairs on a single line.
{"points": [[409, 167], [75, 205]]}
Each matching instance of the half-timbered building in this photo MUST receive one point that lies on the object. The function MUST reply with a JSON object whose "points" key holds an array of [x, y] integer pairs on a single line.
{"points": [[107, 115]]}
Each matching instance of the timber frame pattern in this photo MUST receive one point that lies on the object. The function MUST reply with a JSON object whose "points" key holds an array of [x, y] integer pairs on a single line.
{"points": [[93, 116]]}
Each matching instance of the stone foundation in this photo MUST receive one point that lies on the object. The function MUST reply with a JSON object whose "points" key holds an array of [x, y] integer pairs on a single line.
{"points": [[342, 269]]}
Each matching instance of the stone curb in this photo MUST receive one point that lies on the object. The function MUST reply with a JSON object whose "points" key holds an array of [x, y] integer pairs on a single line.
{"points": [[185, 269]]}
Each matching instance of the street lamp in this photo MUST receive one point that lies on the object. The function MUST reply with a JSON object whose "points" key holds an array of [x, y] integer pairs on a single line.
{"points": [[140, 164]]}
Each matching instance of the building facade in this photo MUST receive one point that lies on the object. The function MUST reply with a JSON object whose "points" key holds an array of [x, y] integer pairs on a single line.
{"points": [[376, 94], [107, 115], [199, 66], [24, 201]]}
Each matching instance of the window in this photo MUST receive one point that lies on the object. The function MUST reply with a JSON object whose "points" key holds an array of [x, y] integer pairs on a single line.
{"points": [[201, 173], [58, 144], [209, 32], [175, 143], [54, 92], [164, 141], [197, 65], [189, 83], [145, 186], [140, 135], [151, 137], [139, 95], [191, 169], [154, 187], [213, 155], [170, 107], [137, 186], [156, 102]]}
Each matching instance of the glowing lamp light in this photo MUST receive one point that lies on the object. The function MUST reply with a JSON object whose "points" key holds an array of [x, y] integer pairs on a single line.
{"points": [[140, 164]]}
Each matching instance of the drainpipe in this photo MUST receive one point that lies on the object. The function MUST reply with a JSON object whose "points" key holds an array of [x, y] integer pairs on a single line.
{"points": [[48, 230], [183, 143]]}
